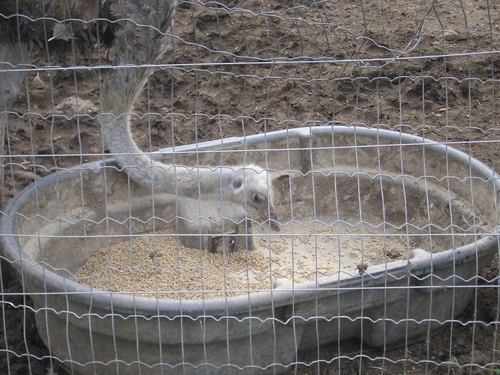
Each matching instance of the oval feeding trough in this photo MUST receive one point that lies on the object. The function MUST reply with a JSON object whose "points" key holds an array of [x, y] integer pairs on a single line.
{"points": [[382, 235]]}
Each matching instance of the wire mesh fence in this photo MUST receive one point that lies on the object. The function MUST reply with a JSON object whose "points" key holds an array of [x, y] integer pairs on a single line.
{"points": [[311, 188]]}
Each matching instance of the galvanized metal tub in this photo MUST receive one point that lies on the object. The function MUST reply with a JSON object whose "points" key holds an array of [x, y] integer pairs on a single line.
{"points": [[352, 181]]}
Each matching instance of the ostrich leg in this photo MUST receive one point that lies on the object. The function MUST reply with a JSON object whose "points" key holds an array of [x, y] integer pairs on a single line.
{"points": [[12, 56]]}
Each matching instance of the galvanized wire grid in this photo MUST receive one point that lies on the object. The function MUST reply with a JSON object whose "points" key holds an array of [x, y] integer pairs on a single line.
{"points": [[238, 69]]}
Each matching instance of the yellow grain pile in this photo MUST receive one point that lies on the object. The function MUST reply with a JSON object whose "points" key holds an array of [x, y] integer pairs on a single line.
{"points": [[177, 272]]}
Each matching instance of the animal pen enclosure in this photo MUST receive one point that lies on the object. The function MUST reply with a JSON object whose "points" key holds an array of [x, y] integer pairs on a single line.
{"points": [[375, 122]]}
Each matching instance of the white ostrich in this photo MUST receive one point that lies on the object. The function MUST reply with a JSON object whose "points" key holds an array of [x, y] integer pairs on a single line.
{"points": [[140, 39]]}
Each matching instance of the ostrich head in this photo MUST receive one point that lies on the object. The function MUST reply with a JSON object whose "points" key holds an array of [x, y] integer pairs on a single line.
{"points": [[251, 187]]}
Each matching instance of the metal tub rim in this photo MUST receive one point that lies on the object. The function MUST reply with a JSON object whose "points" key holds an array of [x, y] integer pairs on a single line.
{"points": [[100, 299]]}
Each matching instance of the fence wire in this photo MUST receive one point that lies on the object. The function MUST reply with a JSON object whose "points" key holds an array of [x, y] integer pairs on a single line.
{"points": [[313, 191]]}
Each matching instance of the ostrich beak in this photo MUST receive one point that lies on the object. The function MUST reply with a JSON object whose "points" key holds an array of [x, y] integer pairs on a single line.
{"points": [[272, 217]]}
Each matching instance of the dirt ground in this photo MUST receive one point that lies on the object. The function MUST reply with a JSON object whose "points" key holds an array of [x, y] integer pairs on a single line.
{"points": [[422, 67]]}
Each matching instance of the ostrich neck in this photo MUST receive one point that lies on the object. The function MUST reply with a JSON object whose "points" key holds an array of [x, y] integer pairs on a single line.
{"points": [[119, 95], [137, 47]]}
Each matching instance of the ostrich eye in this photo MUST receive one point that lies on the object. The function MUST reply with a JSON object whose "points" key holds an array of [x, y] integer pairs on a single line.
{"points": [[237, 183]]}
